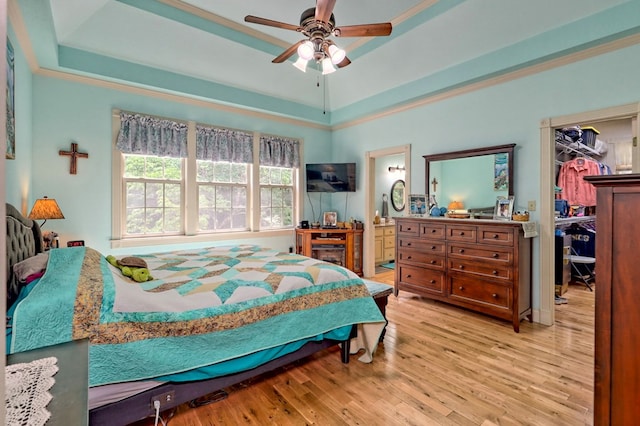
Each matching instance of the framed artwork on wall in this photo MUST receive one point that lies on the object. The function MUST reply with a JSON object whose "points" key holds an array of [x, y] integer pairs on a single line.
{"points": [[11, 121], [504, 208]]}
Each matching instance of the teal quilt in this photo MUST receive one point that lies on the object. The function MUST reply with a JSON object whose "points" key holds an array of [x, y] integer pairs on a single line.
{"points": [[203, 307]]}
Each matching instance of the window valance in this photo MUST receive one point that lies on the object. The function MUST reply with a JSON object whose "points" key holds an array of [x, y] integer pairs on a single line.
{"points": [[146, 135], [279, 152], [217, 144]]}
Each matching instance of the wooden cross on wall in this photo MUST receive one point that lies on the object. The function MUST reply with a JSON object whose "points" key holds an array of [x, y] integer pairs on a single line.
{"points": [[74, 154]]}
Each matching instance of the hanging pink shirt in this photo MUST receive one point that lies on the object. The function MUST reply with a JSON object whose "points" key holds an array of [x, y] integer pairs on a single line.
{"points": [[576, 190]]}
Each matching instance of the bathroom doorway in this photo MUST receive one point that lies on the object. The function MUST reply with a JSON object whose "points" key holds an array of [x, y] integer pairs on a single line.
{"points": [[374, 191]]}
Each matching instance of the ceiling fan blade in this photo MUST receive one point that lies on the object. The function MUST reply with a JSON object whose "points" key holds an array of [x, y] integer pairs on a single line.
{"points": [[287, 53], [365, 30], [271, 23], [344, 63], [324, 9]]}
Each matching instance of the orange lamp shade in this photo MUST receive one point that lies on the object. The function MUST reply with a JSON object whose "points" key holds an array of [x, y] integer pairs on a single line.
{"points": [[456, 205]]}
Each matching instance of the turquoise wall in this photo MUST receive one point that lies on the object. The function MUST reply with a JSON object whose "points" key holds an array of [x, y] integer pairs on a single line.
{"points": [[51, 113], [66, 111], [502, 114]]}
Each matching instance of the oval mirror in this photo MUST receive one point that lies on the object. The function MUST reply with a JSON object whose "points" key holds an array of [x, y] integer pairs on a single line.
{"points": [[397, 195]]}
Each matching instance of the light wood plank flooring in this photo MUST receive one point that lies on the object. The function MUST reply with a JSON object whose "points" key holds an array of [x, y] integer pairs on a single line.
{"points": [[438, 365]]}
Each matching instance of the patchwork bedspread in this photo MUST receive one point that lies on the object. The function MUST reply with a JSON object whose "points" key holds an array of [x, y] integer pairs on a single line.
{"points": [[204, 306]]}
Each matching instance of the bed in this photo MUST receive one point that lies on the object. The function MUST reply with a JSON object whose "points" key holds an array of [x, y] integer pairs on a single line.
{"points": [[209, 319]]}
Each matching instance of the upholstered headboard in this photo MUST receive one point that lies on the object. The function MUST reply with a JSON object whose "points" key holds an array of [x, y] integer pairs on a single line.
{"points": [[24, 239]]}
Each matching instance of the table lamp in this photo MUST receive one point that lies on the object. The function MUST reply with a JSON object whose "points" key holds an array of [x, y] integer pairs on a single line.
{"points": [[45, 208], [456, 207]]}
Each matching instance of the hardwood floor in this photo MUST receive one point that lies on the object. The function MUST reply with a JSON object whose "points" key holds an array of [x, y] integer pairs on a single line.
{"points": [[438, 365]]}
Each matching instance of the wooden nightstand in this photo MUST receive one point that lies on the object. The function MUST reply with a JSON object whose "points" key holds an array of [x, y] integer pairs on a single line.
{"points": [[69, 405]]}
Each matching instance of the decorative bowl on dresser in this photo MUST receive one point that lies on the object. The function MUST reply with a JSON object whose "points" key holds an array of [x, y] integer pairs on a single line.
{"points": [[482, 265]]}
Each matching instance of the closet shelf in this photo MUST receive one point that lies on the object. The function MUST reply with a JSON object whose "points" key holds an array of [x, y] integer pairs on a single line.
{"points": [[580, 148], [574, 219]]}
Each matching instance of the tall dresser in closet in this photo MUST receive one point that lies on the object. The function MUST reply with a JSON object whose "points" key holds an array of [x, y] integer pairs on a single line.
{"points": [[617, 318]]}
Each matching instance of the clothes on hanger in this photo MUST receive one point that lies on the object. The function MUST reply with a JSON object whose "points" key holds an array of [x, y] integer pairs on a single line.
{"points": [[575, 189]]}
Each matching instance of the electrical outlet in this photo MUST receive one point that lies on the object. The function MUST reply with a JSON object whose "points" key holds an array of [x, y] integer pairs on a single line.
{"points": [[164, 398], [531, 206]]}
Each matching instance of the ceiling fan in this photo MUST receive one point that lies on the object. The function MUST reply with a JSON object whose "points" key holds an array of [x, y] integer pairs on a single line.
{"points": [[318, 24]]}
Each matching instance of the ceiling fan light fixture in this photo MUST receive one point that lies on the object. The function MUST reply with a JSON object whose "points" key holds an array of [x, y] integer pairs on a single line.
{"points": [[306, 50], [301, 64], [327, 66], [337, 54]]}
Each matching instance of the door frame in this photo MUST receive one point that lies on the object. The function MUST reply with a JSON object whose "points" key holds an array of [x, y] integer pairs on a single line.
{"points": [[369, 262], [546, 310]]}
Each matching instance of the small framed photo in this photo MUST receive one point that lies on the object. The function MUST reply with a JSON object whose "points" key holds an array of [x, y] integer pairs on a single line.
{"points": [[329, 219], [504, 208], [417, 204]]}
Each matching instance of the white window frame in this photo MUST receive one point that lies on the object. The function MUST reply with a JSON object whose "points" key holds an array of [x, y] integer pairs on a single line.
{"points": [[190, 199]]}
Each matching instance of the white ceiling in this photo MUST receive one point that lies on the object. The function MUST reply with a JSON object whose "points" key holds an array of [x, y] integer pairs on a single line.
{"points": [[209, 41]]}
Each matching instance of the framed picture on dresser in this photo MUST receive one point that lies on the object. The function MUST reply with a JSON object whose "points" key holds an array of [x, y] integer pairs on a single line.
{"points": [[504, 208]]}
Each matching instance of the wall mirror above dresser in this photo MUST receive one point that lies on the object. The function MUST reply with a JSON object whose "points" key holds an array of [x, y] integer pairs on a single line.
{"points": [[473, 177]]}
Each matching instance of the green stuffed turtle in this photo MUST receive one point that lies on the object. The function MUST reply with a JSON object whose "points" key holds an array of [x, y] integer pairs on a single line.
{"points": [[132, 267]]}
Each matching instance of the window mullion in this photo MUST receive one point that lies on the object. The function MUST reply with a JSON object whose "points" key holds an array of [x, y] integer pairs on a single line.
{"points": [[254, 186], [190, 186]]}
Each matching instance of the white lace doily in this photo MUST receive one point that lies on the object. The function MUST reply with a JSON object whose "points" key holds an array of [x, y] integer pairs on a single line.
{"points": [[27, 391]]}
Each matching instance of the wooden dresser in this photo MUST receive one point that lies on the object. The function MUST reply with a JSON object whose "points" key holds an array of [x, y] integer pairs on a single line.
{"points": [[482, 265], [617, 335]]}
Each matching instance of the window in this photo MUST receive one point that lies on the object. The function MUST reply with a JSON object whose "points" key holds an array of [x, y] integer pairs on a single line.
{"points": [[184, 180], [222, 196], [153, 195], [276, 197]]}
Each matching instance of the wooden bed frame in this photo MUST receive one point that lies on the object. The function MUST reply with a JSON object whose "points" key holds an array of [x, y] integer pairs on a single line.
{"points": [[24, 240]]}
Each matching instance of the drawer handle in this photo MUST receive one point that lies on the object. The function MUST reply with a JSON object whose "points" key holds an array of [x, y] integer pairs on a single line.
{"points": [[495, 235], [408, 244], [461, 266], [461, 251], [433, 262], [408, 257], [409, 229], [408, 275], [495, 272], [432, 281], [433, 247], [495, 255], [494, 295], [460, 288], [462, 233], [433, 231]]}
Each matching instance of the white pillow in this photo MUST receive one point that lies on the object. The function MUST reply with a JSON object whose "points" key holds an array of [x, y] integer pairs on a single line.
{"points": [[38, 263]]}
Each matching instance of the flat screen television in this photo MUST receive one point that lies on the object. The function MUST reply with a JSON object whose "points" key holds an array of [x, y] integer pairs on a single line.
{"points": [[331, 177]]}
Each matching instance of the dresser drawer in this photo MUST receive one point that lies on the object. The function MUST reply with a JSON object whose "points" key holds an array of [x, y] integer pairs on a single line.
{"points": [[409, 229], [389, 243], [480, 292], [427, 279], [462, 233], [487, 269], [427, 259], [472, 251], [434, 247], [379, 231], [432, 230], [389, 231], [496, 236]]}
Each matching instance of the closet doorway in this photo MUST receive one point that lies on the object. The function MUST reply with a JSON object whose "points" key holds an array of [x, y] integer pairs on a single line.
{"points": [[613, 124]]}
